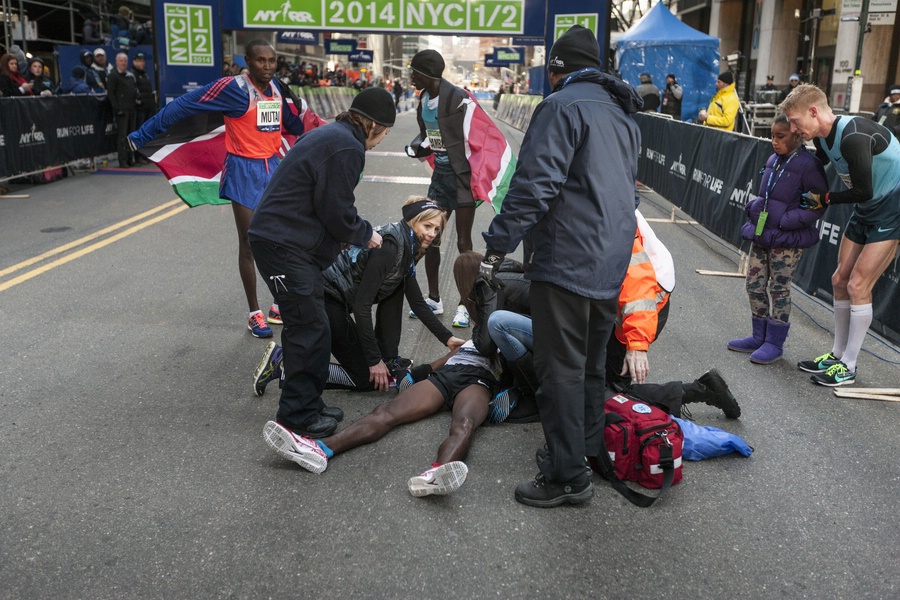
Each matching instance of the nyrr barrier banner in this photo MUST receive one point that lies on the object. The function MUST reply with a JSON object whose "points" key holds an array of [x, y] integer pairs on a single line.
{"points": [[711, 175], [36, 133]]}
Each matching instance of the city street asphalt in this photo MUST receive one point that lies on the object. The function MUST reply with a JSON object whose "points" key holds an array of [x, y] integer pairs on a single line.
{"points": [[132, 463]]}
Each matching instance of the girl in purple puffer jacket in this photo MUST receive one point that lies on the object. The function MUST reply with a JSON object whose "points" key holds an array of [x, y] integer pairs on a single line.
{"points": [[779, 230]]}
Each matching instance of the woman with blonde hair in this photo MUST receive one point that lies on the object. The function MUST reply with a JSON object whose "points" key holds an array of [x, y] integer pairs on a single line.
{"points": [[367, 349]]}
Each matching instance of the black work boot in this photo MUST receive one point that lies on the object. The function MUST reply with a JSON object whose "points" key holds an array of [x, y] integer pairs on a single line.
{"points": [[546, 494], [711, 389]]}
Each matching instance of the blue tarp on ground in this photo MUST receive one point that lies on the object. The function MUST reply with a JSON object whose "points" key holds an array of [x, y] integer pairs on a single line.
{"points": [[661, 44]]}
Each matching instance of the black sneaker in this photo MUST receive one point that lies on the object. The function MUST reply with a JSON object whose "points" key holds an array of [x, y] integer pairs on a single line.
{"points": [[721, 396], [397, 366], [819, 364], [546, 494]]}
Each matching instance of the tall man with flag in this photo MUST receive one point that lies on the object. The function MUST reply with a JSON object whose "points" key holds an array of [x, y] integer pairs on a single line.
{"points": [[472, 161], [255, 109]]}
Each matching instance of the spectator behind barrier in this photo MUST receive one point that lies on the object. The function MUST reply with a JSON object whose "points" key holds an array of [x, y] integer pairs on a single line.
{"points": [[888, 113], [648, 92], [42, 85], [76, 83], [11, 82], [90, 76]]}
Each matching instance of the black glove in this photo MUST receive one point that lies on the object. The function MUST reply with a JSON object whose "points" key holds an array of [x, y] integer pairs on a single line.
{"points": [[489, 266], [813, 200]]}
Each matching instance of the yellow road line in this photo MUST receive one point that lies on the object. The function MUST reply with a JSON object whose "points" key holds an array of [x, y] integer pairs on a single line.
{"points": [[88, 249], [85, 239]]}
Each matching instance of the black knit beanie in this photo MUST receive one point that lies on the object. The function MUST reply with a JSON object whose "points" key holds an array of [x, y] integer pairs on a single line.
{"points": [[727, 78], [576, 49], [429, 63], [376, 104]]}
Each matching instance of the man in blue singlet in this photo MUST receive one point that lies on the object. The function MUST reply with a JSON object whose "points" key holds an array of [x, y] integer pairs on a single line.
{"points": [[867, 158]]}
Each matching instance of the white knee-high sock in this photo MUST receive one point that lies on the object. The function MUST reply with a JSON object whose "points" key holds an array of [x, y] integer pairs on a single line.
{"points": [[860, 319], [841, 326]]}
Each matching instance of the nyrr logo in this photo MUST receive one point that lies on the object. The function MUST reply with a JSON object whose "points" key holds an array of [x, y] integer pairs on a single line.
{"points": [[33, 137], [656, 157], [740, 197], [285, 14], [678, 168]]}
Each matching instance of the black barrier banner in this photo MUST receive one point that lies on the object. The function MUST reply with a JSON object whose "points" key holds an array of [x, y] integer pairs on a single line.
{"points": [[712, 175], [36, 133]]}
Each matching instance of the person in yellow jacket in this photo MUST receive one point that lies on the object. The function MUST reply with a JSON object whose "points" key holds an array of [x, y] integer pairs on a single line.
{"points": [[723, 108]]}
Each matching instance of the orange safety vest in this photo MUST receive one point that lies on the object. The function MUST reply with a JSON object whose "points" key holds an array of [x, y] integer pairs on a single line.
{"points": [[640, 300], [256, 133]]}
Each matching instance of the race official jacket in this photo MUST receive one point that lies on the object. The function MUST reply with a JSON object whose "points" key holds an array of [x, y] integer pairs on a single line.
{"points": [[648, 283]]}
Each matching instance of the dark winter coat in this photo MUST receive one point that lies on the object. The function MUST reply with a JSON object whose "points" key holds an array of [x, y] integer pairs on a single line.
{"points": [[788, 225], [122, 90], [573, 195], [513, 296], [146, 100], [309, 205]]}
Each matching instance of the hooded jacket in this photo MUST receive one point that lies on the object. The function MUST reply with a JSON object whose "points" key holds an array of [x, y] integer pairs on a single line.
{"points": [[572, 197], [788, 225]]}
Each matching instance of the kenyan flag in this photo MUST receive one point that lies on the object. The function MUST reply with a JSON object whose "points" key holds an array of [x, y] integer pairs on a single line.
{"points": [[489, 154], [191, 154]]}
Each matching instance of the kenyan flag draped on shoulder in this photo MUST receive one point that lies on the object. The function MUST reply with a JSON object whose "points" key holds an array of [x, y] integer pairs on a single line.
{"points": [[192, 152], [489, 154]]}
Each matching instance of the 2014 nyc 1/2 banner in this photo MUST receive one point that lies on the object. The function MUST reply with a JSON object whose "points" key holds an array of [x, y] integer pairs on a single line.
{"points": [[36, 133]]}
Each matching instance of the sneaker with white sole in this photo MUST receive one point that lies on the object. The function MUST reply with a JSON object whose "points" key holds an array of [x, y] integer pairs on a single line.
{"points": [[837, 374], [436, 307], [461, 318], [268, 369], [258, 326], [301, 450], [819, 364], [439, 481]]}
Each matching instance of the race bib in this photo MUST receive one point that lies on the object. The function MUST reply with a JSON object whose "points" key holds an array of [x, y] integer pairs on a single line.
{"points": [[268, 115], [435, 140]]}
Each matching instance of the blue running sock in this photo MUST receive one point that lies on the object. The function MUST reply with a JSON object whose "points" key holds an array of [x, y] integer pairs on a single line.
{"points": [[328, 451]]}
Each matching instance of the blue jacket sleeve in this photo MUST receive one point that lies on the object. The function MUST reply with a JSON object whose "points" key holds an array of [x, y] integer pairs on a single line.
{"points": [[334, 201], [223, 95], [542, 169]]}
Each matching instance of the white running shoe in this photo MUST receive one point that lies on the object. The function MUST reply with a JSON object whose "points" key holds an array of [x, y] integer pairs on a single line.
{"points": [[461, 319], [436, 307], [440, 480], [301, 450]]}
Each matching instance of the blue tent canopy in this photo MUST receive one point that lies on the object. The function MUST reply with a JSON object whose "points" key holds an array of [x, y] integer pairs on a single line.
{"points": [[661, 44]]}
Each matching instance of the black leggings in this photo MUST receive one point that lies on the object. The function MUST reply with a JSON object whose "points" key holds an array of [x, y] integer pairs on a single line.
{"points": [[345, 344]]}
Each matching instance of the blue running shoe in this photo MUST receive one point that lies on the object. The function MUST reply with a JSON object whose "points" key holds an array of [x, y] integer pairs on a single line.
{"points": [[837, 374], [501, 406], [258, 326], [268, 369], [404, 382]]}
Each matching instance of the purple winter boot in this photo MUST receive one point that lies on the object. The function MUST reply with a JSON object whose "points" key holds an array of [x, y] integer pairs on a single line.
{"points": [[773, 348], [749, 344]]}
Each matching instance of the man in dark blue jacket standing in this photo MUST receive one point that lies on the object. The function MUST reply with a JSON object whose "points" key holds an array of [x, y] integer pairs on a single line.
{"points": [[307, 211], [572, 201]]}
